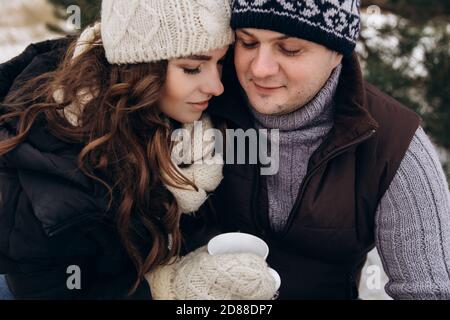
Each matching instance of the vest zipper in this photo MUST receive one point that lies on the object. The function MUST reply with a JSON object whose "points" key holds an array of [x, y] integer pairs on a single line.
{"points": [[255, 193], [305, 181]]}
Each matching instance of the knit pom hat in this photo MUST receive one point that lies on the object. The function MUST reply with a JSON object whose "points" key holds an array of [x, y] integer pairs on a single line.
{"points": [[138, 31], [332, 23]]}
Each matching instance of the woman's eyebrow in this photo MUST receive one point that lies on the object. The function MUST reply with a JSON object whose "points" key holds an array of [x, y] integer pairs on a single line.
{"points": [[198, 57]]}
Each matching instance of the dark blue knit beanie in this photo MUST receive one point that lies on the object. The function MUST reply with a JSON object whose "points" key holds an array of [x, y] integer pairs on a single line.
{"points": [[332, 23]]}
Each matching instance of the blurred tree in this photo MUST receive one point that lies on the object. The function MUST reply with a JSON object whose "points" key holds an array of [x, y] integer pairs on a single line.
{"points": [[414, 66], [416, 10], [90, 9]]}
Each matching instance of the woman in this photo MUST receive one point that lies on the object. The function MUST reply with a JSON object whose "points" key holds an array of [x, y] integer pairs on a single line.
{"points": [[91, 199]]}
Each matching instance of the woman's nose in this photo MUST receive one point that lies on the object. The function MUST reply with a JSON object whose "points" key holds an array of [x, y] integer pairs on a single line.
{"points": [[213, 85]]}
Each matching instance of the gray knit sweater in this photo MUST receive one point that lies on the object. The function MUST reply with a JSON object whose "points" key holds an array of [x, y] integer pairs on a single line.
{"points": [[413, 217]]}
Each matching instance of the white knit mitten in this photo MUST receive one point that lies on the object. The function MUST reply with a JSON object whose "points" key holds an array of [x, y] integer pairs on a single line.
{"points": [[160, 282], [201, 276]]}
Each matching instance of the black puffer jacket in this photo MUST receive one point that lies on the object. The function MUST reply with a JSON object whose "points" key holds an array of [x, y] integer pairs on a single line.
{"points": [[52, 216]]}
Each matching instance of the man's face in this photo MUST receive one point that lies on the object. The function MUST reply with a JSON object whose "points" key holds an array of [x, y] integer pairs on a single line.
{"points": [[281, 73]]}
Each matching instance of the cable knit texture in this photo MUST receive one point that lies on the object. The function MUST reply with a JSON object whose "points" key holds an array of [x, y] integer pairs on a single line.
{"points": [[201, 276], [135, 31], [301, 133], [413, 226], [205, 171], [160, 281]]}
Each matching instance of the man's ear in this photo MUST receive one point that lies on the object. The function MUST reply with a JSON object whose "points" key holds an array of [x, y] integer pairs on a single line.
{"points": [[337, 58]]}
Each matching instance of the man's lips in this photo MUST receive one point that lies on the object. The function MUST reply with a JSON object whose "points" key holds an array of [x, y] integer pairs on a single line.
{"points": [[202, 105], [265, 89]]}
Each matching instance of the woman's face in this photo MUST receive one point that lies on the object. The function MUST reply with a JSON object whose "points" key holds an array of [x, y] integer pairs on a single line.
{"points": [[190, 83]]}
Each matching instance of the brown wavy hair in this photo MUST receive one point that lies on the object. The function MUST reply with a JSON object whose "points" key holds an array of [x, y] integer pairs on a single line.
{"points": [[126, 143]]}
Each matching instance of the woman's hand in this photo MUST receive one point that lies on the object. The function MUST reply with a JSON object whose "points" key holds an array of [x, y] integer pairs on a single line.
{"points": [[201, 276]]}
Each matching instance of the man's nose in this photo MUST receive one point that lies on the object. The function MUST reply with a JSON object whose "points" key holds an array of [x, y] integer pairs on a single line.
{"points": [[264, 64]]}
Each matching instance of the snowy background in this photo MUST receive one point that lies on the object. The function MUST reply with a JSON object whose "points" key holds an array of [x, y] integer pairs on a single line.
{"points": [[25, 21]]}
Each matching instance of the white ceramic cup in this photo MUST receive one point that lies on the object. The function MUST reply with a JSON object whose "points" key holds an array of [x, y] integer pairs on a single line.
{"points": [[238, 242]]}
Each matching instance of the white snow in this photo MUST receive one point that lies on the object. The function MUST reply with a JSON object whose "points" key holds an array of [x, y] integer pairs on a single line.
{"points": [[373, 279], [23, 22]]}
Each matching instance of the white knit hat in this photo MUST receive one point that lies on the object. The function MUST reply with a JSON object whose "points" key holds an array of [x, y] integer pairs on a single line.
{"points": [[138, 31]]}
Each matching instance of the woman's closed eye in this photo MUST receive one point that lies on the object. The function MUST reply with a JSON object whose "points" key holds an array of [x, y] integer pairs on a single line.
{"points": [[192, 70], [197, 70], [247, 44]]}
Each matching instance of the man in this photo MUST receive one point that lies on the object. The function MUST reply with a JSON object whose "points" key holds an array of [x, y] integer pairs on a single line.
{"points": [[356, 169]]}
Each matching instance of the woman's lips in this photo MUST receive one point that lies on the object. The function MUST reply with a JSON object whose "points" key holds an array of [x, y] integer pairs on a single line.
{"points": [[201, 106], [266, 90]]}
